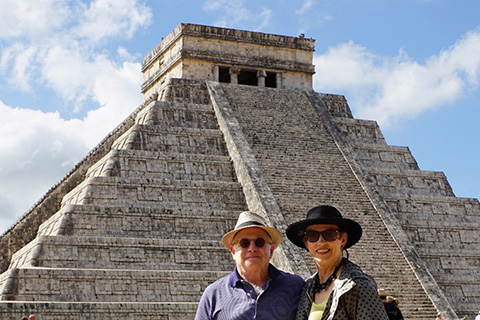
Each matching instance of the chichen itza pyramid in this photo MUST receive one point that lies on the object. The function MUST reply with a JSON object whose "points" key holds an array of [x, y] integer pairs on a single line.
{"points": [[230, 122]]}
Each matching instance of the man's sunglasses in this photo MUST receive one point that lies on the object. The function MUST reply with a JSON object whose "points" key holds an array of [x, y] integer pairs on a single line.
{"points": [[328, 235], [245, 243]]}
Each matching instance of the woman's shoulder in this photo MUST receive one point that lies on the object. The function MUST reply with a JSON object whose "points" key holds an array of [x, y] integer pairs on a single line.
{"points": [[354, 272]]}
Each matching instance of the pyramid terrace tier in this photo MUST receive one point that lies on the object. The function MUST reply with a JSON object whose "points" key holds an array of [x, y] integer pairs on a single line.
{"points": [[156, 193], [98, 310], [446, 211], [417, 182], [123, 253], [178, 114], [172, 139], [385, 156], [143, 222], [89, 285], [360, 131], [162, 165]]}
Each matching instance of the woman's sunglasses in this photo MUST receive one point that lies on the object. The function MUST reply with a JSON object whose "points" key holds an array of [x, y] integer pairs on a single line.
{"points": [[328, 235]]}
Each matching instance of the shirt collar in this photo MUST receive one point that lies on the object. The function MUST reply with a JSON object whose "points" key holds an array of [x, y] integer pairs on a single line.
{"points": [[234, 277]]}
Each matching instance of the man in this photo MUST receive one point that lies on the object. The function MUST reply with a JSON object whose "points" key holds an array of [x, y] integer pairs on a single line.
{"points": [[255, 289]]}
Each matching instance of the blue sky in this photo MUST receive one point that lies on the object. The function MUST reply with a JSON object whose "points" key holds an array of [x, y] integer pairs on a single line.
{"points": [[70, 72]]}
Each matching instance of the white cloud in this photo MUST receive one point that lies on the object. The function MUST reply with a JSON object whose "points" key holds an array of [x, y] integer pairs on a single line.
{"points": [[33, 158], [390, 89], [62, 46], [31, 19], [69, 73], [307, 4], [46, 147], [117, 90], [211, 5], [111, 18], [67, 59], [18, 62]]}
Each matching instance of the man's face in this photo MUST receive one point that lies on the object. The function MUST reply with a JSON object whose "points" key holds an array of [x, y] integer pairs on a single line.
{"points": [[251, 258]]}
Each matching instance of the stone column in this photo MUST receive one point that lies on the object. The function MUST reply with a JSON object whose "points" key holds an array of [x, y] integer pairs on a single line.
{"points": [[261, 75], [234, 71]]}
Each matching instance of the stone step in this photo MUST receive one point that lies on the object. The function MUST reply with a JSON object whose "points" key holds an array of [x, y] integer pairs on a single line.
{"points": [[451, 253], [385, 156], [91, 285], [416, 182], [172, 139], [442, 204], [360, 131], [161, 165], [443, 222], [415, 208], [176, 114], [86, 252], [449, 236], [98, 310], [466, 291], [336, 104], [186, 91], [156, 193], [171, 223], [388, 180]]}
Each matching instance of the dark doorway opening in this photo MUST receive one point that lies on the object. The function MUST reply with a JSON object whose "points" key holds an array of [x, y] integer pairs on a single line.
{"points": [[224, 74], [271, 80], [248, 77]]}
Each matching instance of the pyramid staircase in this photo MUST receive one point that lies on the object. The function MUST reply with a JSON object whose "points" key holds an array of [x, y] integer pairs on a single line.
{"points": [[130, 241], [304, 166], [138, 237]]}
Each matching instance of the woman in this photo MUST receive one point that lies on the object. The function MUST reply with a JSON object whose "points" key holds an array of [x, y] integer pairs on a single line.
{"points": [[340, 289]]}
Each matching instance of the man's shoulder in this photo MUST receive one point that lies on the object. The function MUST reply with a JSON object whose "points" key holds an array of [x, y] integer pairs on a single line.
{"points": [[218, 284], [292, 277], [288, 278]]}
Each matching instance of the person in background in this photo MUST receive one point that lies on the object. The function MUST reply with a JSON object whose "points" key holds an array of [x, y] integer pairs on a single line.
{"points": [[391, 305], [441, 316], [339, 290], [255, 289], [394, 313]]}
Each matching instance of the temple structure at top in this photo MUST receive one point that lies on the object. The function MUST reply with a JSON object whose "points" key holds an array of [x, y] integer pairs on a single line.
{"points": [[229, 56]]}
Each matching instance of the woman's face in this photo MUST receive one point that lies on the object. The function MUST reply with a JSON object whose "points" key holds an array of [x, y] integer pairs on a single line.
{"points": [[325, 253]]}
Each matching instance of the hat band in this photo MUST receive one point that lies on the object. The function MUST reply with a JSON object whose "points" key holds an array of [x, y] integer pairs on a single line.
{"points": [[249, 223]]}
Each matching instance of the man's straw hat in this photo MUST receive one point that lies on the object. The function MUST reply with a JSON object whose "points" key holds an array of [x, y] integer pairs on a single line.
{"points": [[249, 219]]}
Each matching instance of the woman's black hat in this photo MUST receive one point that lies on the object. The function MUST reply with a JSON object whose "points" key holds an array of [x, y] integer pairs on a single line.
{"points": [[324, 215]]}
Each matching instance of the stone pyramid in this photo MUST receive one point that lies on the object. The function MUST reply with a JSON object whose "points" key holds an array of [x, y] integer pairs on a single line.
{"points": [[230, 122]]}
